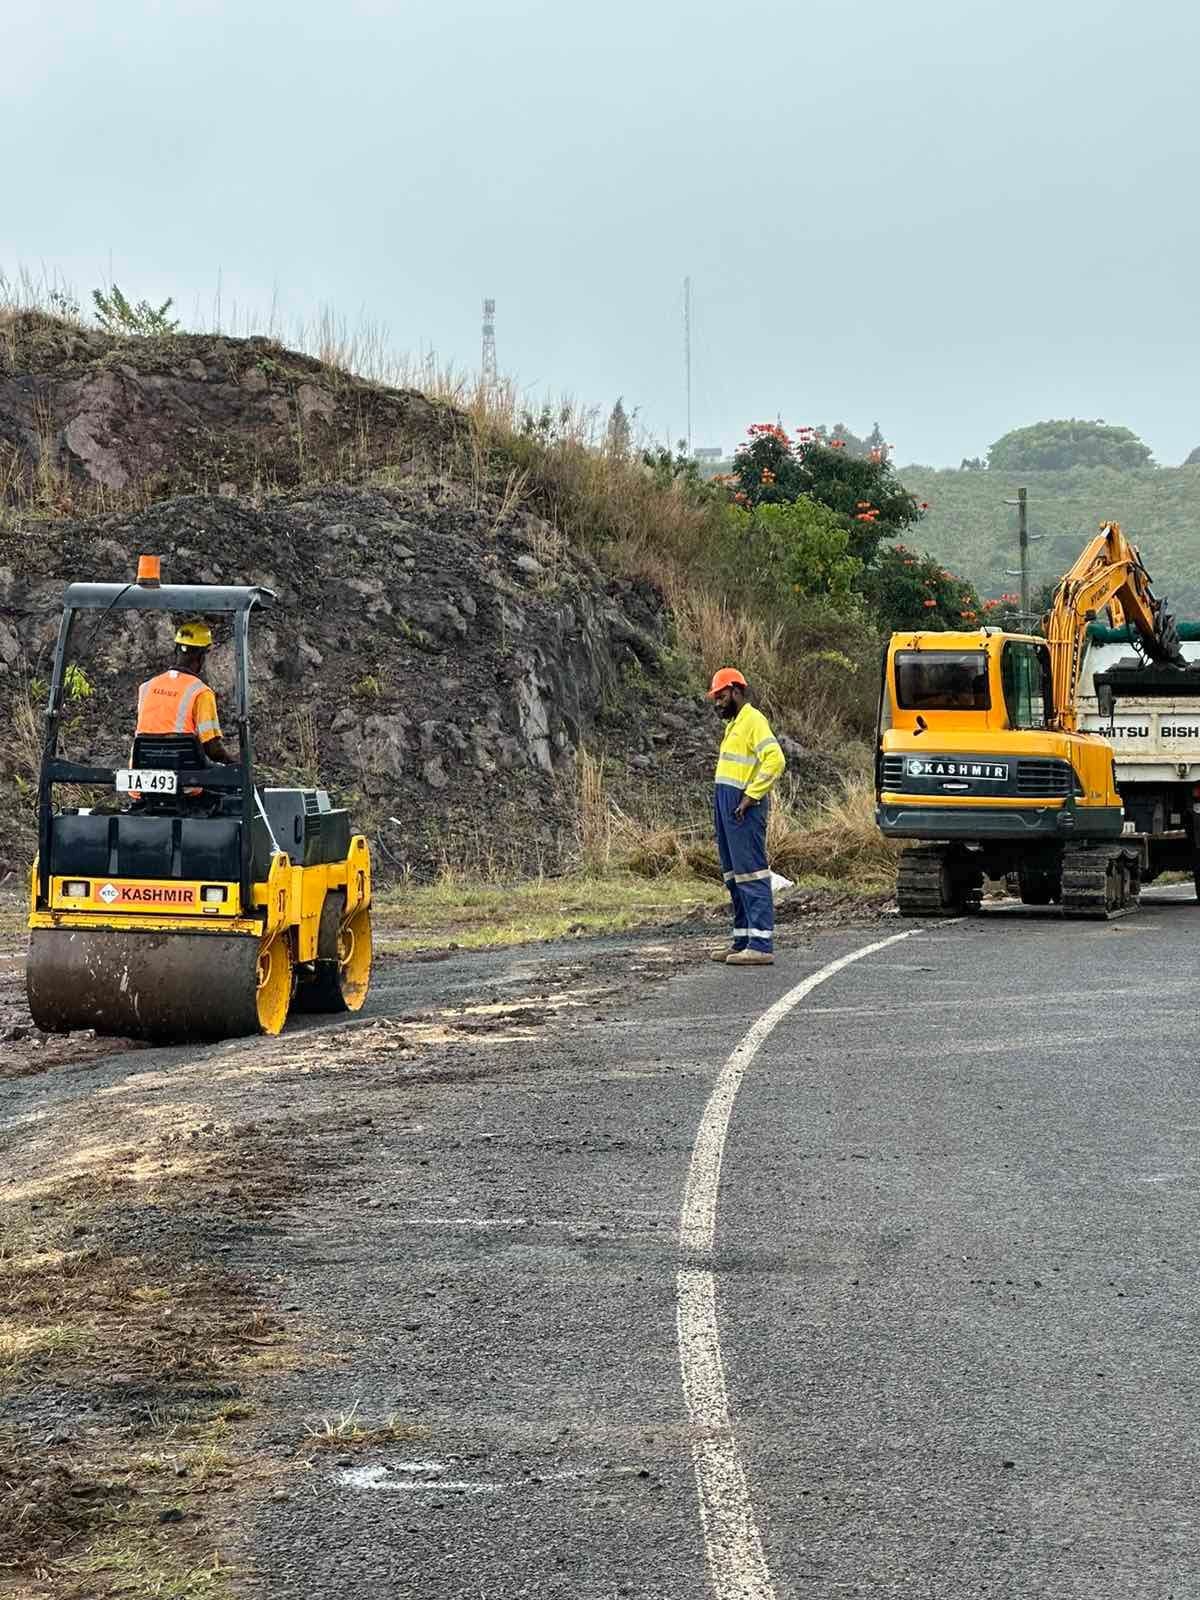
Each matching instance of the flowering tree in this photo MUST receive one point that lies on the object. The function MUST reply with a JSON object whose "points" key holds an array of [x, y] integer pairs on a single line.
{"points": [[772, 468], [912, 590], [1005, 611]]}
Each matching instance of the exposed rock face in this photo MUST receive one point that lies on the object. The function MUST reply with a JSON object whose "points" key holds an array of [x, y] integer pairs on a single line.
{"points": [[196, 412], [435, 657], [414, 659]]}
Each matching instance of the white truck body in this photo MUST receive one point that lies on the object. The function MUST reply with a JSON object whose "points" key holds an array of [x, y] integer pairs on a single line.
{"points": [[1154, 740], [1156, 752]]}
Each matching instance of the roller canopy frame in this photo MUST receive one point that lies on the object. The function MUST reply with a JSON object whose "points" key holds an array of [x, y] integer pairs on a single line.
{"points": [[236, 600]]}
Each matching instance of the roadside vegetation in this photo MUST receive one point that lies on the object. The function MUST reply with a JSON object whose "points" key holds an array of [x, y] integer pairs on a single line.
{"points": [[635, 873], [789, 565]]}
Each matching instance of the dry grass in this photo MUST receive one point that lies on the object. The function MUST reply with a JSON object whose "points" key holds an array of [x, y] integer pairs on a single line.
{"points": [[836, 840], [813, 670], [134, 1561], [21, 740], [349, 1428]]}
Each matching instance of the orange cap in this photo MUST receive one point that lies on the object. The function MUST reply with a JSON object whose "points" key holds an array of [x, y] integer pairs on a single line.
{"points": [[723, 679], [149, 571]]}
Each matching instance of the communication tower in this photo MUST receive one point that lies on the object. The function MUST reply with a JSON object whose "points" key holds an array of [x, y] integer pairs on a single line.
{"points": [[487, 365]]}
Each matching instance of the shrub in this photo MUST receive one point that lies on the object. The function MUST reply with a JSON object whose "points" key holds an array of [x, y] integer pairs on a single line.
{"points": [[115, 314], [862, 491], [911, 590]]}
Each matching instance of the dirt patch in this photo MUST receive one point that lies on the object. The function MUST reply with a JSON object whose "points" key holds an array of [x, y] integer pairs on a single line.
{"points": [[833, 908], [124, 1349], [46, 1506]]}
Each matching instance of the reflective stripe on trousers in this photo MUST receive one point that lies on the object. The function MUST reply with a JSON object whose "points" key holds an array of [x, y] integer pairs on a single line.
{"points": [[742, 847]]}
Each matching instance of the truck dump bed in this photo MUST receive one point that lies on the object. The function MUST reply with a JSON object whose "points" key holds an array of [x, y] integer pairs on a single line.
{"points": [[1154, 727], [1150, 714]]}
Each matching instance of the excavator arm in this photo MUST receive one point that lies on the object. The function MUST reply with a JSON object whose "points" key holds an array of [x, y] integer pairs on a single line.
{"points": [[1108, 575]]}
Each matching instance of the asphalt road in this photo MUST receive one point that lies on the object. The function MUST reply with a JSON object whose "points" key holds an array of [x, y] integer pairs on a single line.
{"points": [[940, 1343], [955, 1288]]}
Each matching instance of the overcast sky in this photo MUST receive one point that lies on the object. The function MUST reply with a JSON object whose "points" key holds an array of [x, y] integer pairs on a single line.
{"points": [[952, 217]]}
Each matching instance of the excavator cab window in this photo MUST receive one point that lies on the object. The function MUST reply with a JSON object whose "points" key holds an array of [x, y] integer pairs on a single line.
{"points": [[1025, 674], [942, 680]]}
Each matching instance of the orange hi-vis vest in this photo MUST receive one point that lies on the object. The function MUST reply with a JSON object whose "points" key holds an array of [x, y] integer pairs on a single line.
{"points": [[178, 702]]}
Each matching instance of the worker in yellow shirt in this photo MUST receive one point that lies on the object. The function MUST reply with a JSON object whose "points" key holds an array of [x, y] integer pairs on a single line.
{"points": [[179, 701], [748, 767]]}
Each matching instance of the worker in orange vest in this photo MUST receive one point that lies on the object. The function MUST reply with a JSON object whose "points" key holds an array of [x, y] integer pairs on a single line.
{"points": [[179, 700]]}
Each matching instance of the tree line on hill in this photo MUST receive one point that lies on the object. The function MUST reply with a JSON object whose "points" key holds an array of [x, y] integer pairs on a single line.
{"points": [[822, 515]]}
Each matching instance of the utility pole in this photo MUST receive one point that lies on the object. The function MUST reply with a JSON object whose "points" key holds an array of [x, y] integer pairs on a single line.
{"points": [[487, 366], [1025, 539], [687, 356]]}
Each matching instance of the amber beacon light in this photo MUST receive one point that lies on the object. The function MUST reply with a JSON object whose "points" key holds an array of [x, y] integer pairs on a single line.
{"points": [[149, 573]]}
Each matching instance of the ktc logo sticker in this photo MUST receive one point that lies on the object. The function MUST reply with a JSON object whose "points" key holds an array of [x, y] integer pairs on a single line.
{"points": [[108, 894]]}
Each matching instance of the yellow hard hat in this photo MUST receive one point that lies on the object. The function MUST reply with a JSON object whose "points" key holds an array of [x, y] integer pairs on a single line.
{"points": [[197, 635]]}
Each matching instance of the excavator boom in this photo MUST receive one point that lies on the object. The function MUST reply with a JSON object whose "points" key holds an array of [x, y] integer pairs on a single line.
{"points": [[1108, 575]]}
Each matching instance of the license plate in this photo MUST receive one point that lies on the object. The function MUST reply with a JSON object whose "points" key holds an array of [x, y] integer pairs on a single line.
{"points": [[938, 767], [147, 780]]}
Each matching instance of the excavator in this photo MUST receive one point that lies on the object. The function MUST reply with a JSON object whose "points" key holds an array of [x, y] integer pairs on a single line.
{"points": [[183, 902], [981, 762]]}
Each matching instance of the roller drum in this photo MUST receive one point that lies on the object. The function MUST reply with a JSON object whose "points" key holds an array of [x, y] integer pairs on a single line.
{"points": [[168, 986]]}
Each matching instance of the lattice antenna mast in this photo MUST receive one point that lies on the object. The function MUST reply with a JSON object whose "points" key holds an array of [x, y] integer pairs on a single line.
{"points": [[687, 355], [487, 364]]}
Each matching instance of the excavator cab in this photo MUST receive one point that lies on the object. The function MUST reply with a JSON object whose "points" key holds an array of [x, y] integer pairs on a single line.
{"points": [[1011, 786], [972, 765], [192, 904]]}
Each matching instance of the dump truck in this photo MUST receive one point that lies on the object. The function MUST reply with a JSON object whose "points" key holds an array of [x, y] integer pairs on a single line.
{"points": [[1151, 717], [983, 768], [181, 901]]}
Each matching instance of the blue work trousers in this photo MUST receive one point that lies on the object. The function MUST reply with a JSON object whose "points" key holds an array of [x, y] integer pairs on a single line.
{"points": [[742, 847]]}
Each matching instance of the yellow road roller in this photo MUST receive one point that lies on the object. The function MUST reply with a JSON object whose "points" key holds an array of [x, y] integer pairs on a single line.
{"points": [[192, 905]]}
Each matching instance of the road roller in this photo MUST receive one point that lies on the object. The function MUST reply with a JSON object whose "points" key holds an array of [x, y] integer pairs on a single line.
{"points": [[190, 904]]}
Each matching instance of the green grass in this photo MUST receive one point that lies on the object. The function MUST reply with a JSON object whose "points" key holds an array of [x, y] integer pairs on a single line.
{"points": [[475, 915]]}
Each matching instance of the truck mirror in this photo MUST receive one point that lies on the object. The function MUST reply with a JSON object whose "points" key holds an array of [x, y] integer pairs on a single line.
{"points": [[1106, 700]]}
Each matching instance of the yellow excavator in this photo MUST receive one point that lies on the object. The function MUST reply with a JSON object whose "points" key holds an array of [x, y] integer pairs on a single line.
{"points": [[189, 904], [982, 765]]}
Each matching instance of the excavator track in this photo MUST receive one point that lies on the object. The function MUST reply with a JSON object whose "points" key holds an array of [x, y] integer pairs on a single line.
{"points": [[1102, 882], [933, 881]]}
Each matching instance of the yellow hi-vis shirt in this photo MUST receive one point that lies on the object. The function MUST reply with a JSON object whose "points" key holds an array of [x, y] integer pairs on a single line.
{"points": [[750, 758]]}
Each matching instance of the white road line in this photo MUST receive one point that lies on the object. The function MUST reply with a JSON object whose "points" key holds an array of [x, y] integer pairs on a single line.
{"points": [[736, 1563], [385, 1478]]}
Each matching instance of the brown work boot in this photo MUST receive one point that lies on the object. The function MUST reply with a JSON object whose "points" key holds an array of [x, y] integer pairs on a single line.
{"points": [[750, 958], [720, 955]]}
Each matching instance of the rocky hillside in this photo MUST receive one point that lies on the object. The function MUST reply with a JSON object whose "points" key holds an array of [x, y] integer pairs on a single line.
{"points": [[192, 413], [437, 654]]}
